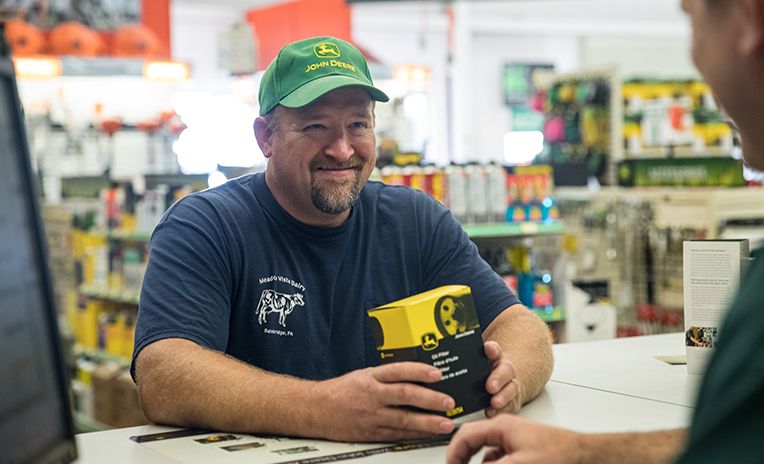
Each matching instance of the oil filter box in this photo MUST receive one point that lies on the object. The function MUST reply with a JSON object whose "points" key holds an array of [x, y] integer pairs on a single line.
{"points": [[440, 328]]}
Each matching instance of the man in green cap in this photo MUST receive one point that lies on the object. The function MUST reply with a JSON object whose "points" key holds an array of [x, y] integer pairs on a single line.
{"points": [[253, 308], [727, 425]]}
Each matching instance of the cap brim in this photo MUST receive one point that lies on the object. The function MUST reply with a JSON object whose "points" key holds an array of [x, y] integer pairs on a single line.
{"points": [[310, 91]]}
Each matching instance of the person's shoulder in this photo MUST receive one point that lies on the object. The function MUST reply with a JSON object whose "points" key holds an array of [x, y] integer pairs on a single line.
{"points": [[396, 203], [400, 194], [231, 196]]}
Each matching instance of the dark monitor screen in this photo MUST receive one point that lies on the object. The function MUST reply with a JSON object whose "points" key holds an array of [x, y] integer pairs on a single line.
{"points": [[35, 419]]}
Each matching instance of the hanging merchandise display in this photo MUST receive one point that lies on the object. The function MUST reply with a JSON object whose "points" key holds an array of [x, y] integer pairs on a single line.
{"points": [[675, 135], [665, 118], [577, 128]]}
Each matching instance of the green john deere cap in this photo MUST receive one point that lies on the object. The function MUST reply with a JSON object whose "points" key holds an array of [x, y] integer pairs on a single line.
{"points": [[307, 69]]}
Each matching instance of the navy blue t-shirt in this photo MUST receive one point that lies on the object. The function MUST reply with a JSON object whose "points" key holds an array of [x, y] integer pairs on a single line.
{"points": [[231, 270]]}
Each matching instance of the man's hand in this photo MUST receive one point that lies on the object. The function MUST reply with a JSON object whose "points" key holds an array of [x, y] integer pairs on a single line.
{"points": [[514, 440], [502, 383], [369, 404]]}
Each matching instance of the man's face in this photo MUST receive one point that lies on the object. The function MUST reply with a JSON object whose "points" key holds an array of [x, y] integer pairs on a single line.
{"points": [[322, 154]]}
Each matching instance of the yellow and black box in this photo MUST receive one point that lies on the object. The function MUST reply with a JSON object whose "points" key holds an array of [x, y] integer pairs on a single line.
{"points": [[440, 328]]}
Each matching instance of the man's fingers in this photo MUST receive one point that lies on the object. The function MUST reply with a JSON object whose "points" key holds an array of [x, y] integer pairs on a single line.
{"points": [[493, 454], [504, 397], [492, 350], [503, 373], [414, 422], [406, 372], [408, 394], [472, 437]]}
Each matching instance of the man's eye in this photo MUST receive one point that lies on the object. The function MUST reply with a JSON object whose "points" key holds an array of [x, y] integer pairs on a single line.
{"points": [[359, 125], [313, 127]]}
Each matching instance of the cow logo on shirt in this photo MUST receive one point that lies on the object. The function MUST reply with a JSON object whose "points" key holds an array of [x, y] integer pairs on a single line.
{"points": [[283, 304]]}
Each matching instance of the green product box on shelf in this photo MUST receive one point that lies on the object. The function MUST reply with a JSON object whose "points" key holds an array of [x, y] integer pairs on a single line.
{"points": [[681, 172]]}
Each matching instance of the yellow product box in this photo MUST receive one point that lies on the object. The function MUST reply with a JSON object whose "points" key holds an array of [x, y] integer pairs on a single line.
{"points": [[440, 328]]}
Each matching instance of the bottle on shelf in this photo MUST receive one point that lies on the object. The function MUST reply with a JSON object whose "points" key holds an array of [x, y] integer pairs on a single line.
{"points": [[505, 269]]}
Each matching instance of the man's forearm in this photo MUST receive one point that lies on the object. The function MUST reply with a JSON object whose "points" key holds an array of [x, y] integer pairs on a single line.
{"points": [[182, 384], [619, 448], [525, 339]]}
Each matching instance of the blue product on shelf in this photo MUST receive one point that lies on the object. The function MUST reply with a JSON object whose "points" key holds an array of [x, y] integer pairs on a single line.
{"points": [[525, 286], [543, 296], [549, 210]]}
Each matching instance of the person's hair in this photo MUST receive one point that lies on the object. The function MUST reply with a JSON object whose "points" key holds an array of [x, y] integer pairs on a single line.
{"points": [[272, 117]]}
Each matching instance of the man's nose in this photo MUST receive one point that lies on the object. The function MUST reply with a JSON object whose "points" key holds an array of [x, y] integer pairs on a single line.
{"points": [[340, 146]]}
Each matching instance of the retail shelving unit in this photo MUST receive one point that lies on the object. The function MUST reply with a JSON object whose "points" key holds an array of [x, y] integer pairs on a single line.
{"points": [[702, 208], [506, 233], [633, 238], [121, 296], [522, 229]]}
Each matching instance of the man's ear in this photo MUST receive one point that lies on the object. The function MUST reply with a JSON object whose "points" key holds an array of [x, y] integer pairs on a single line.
{"points": [[750, 14], [263, 134]]}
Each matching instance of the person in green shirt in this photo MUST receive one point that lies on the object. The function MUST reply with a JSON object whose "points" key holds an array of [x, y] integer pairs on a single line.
{"points": [[728, 49]]}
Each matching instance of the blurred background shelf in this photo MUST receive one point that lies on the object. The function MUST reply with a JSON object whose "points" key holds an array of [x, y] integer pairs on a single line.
{"points": [[112, 295], [557, 314], [522, 229]]}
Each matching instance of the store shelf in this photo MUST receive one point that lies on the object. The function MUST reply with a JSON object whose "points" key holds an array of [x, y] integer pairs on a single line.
{"points": [[703, 208], [556, 315], [110, 294], [127, 236], [679, 152], [522, 229], [101, 356]]}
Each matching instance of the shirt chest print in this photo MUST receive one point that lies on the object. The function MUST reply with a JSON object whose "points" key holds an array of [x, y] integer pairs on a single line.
{"points": [[283, 304]]}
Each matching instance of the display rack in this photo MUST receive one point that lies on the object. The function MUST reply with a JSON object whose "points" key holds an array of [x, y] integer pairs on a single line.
{"points": [[522, 229], [120, 296], [632, 238], [505, 235], [704, 208]]}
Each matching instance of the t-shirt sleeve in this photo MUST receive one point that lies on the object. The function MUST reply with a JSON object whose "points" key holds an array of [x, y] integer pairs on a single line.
{"points": [[451, 258], [186, 291]]}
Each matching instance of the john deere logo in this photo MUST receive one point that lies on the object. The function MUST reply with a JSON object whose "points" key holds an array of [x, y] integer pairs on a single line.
{"points": [[326, 50], [429, 341]]}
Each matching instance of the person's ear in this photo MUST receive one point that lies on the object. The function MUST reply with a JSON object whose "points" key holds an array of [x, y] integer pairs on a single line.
{"points": [[264, 134], [750, 14]]}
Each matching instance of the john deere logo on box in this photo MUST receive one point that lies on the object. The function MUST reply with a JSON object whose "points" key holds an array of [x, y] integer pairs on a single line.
{"points": [[440, 328]]}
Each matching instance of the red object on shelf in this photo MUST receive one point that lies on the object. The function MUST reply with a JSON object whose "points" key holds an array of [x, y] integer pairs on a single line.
{"points": [[672, 317], [278, 25], [24, 38], [628, 331], [135, 40], [150, 126], [73, 38], [647, 312], [110, 126]]}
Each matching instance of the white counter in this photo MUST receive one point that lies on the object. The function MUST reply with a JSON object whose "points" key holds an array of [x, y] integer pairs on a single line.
{"points": [[607, 386]]}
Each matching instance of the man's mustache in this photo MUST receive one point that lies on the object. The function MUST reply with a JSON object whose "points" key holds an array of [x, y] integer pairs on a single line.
{"points": [[353, 163]]}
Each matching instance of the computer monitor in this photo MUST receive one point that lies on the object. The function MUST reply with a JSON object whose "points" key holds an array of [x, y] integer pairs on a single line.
{"points": [[35, 419]]}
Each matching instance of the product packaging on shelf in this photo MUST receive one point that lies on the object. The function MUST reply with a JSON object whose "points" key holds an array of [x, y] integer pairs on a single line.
{"points": [[440, 328]]}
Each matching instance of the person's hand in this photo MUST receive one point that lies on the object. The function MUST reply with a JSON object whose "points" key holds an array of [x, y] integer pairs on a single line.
{"points": [[369, 404], [502, 383], [514, 440]]}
